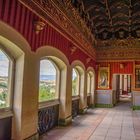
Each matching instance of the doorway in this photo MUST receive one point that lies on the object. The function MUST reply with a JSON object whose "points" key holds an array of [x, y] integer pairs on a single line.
{"points": [[122, 88]]}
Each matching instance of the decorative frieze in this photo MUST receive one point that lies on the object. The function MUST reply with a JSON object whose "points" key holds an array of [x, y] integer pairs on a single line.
{"points": [[118, 49], [118, 54], [119, 43], [63, 16]]}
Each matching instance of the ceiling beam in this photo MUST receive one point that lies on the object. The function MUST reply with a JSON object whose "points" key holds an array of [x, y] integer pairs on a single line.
{"points": [[90, 8], [130, 15], [109, 13]]}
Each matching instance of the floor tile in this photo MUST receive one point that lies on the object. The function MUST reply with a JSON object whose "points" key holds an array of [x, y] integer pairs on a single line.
{"points": [[118, 123]]}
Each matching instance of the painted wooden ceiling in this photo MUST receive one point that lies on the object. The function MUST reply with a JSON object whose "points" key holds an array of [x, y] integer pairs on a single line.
{"points": [[110, 19]]}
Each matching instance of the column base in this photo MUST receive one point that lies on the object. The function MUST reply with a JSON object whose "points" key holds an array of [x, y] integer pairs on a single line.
{"points": [[92, 106], [83, 111], [104, 105], [65, 122], [33, 137]]}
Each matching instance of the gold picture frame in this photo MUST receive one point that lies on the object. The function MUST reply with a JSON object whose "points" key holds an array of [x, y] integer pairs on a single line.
{"points": [[137, 77], [103, 77]]}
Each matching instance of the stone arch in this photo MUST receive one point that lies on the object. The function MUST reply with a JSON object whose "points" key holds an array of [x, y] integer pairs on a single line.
{"points": [[62, 63], [24, 72], [91, 71]]}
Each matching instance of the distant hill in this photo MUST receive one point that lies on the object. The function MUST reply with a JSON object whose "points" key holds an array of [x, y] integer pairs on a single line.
{"points": [[47, 77]]}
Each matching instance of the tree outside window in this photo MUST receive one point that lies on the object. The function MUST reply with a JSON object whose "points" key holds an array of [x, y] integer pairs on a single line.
{"points": [[75, 82], [4, 80], [48, 77]]}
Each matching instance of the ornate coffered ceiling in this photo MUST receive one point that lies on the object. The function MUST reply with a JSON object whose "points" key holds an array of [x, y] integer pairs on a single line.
{"points": [[109, 19]]}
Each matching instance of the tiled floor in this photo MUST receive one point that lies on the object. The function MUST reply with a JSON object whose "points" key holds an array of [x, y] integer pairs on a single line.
{"points": [[119, 123]]}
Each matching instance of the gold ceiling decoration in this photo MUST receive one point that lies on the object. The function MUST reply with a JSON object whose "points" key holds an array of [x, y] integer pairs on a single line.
{"points": [[119, 43], [118, 49]]}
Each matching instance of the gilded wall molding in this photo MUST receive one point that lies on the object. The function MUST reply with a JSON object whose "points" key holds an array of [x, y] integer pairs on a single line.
{"points": [[118, 43], [127, 49], [66, 19]]}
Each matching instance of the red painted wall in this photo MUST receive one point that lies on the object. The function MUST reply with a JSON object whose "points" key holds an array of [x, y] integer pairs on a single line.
{"points": [[115, 68], [20, 18]]}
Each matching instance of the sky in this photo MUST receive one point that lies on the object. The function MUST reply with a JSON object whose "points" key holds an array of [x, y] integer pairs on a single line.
{"points": [[4, 63], [47, 68], [74, 74]]}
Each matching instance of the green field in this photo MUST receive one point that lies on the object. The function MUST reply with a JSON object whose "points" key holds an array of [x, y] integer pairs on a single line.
{"points": [[46, 92], [3, 94]]}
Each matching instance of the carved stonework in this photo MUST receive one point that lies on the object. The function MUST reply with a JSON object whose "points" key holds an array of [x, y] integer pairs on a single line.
{"points": [[64, 15], [125, 43], [73, 49], [88, 60], [118, 49], [38, 26], [118, 54]]}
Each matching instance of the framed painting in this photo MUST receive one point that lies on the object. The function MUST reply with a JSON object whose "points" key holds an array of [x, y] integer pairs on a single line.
{"points": [[103, 77], [137, 77]]}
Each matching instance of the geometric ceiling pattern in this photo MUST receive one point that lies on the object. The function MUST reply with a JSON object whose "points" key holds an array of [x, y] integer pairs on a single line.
{"points": [[110, 19]]}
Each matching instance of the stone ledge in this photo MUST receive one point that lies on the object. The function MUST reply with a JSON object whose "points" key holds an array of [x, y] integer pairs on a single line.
{"points": [[33, 137]]}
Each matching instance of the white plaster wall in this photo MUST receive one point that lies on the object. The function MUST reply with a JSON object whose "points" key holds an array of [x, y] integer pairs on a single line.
{"points": [[104, 96], [136, 98]]}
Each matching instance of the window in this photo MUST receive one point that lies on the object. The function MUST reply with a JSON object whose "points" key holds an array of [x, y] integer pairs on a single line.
{"points": [[5, 80], [89, 83], [48, 80], [75, 82]]}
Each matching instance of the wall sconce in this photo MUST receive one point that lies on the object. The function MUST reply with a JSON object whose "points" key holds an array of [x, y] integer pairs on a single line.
{"points": [[122, 65], [88, 60], [73, 49], [38, 26]]}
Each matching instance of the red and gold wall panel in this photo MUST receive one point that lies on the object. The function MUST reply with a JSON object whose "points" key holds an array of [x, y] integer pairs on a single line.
{"points": [[21, 19], [116, 68]]}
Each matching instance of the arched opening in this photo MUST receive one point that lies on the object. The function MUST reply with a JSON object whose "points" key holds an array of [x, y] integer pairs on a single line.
{"points": [[75, 82], [6, 79], [11, 74], [21, 80], [78, 87], [89, 83], [53, 81], [49, 80], [90, 88]]}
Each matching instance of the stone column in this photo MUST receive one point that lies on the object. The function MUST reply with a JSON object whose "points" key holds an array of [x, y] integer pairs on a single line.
{"points": [[25, 102], [83, 93], [125, 83], [93, 91], [65, 113], [121, 84]]}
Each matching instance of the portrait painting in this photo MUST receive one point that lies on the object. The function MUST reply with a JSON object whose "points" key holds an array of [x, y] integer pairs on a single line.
{"points": [[103, 77]]}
